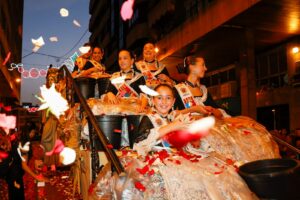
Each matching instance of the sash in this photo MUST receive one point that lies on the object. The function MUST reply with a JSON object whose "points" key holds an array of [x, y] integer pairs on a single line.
{"points": [[124, 89], [185, 95], [143, 67], [158, 121], [98, 65]]}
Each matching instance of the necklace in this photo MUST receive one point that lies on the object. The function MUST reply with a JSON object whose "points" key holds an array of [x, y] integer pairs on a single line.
{"points": [[150, 61], [191, 84]]}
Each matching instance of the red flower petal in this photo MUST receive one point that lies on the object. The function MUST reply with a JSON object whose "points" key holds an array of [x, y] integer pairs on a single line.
{"points": [[139, 186], [110, 146], [13, 137], [117, 131], [151, 161], [229, 161], [124, 152], [220, 172], [151, 172], [246, 132], [163, 155], [144, 170], [91, 188], [147, 158]]}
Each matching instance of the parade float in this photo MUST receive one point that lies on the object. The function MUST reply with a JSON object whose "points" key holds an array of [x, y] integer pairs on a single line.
{"points": [[107, 167]]}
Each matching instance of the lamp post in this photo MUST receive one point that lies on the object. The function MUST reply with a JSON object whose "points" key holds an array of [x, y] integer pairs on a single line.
{"points": [[274, 118]]}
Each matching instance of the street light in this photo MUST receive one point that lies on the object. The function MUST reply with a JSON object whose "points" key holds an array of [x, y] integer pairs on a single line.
{"points": [[274, 118]]}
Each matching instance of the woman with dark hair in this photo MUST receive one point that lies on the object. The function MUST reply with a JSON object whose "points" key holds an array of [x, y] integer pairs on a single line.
{"points": [[129, 87], [89, 63], [192, 95], [159, 116], [153, 71], [12, 167]]}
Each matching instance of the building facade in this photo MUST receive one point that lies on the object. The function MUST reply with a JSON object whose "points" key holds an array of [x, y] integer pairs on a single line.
{"points": [[11, 22]]}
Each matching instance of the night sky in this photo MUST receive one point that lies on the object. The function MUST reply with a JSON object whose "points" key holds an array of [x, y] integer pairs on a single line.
{"points": [[42, 18]]}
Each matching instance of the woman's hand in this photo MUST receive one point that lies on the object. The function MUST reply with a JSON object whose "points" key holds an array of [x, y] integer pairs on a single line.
{"points": [[173, 126], [165, 78], [111, 98], [200, 109], [41, 178], [214, 111]]}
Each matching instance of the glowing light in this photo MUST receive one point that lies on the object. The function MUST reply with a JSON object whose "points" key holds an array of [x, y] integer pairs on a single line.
{"points": [[34, 73], [295, 50], [156, 49], [18, 80], [43, 72], [53, 101], [6, 58], [84, 50], [148, 90], [64, 12], [127, 10], [67, 156], [7, 122]]}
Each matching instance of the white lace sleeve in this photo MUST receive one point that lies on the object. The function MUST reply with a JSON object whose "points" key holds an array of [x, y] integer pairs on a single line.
{"points": [[225, 115], [144, 146]]}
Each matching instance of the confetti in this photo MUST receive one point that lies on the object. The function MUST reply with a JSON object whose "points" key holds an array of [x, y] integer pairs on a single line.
{"points": [[127, 10], [53, 101], [139, 186], [148, 91], [64, 12], [84, 50], [76, 23], [53, 39], [202, 125], [38, 43], [118, 80]]}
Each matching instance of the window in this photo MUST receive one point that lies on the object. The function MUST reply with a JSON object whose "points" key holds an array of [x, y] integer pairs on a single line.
{"points": [[271, 68]]}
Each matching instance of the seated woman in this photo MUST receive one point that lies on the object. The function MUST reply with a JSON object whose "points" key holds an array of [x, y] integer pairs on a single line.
{"points": [[233, 137], [158, 122], [154, 72], [130, 86], [192, 95], [89, 62]]}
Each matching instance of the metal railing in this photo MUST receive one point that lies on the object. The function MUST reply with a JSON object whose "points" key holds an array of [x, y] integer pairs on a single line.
{"points": [[110, 153], [287, 145]]}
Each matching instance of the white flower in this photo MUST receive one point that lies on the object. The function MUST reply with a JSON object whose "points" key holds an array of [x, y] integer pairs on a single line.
{"points": [[53, 101]]}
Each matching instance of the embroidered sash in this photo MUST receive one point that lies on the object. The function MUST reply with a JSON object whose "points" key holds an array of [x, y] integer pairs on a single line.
{"points": [[150, 79], [158, 121], [124, 89], [185, 95], [97, 65]]}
